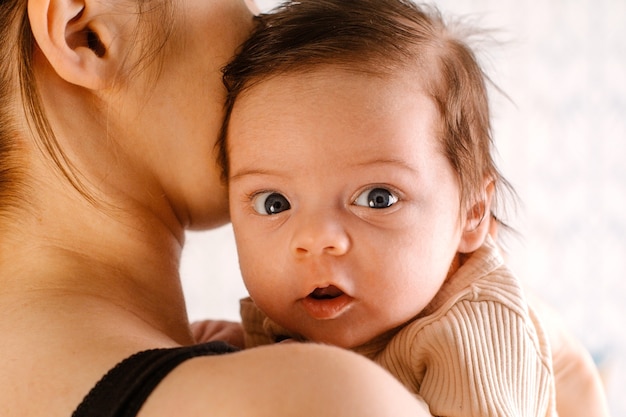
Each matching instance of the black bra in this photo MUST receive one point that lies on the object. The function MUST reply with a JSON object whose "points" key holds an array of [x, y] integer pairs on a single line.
{"points": [[125, 388]]}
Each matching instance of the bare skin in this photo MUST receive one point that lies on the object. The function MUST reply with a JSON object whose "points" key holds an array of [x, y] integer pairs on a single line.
{"points": [[83, 286]]}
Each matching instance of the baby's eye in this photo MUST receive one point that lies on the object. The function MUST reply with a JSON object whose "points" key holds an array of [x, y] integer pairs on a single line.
{"points": [[377, 198], [270, 202]]}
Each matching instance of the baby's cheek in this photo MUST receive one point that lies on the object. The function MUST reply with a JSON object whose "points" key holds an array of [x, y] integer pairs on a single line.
{"points": [[260, 280]]}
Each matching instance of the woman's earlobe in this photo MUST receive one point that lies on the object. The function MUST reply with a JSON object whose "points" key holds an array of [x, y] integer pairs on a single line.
{"points": [[72, 41]]}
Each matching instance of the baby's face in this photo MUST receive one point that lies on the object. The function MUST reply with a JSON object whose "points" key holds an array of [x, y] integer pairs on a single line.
{"points": [[345, 210]]}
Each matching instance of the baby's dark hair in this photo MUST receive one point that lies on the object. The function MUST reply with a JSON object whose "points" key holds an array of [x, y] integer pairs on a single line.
{"points": [[380, 37]]}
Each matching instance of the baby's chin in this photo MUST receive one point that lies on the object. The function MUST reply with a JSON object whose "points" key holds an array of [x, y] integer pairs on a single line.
{"points": [[358, 335], [345, 341], [344, 335]]}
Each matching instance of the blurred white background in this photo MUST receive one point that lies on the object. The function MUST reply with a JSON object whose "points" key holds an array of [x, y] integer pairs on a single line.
{"points": [[562, 143]]}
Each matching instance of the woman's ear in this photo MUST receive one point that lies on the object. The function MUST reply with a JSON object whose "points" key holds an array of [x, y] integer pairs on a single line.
{"points": [[75, 38], [477, 221]]}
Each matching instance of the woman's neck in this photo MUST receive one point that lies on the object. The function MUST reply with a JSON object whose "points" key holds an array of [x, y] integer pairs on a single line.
{"points": [[122, 260]]}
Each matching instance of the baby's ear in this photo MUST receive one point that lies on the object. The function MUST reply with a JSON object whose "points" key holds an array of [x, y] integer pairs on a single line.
{"points": [[75, 36], [477, 221]]}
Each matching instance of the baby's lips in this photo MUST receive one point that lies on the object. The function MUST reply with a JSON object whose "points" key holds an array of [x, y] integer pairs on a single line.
{"points": [[326, 303]]}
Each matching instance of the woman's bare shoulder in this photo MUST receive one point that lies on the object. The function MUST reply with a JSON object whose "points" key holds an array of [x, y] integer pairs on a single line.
{"points": [[288, 379]]}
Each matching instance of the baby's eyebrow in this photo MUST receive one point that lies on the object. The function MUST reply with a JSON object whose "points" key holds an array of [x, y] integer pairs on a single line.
{"points": [[253, 171], [386, 161], [398, 163]]}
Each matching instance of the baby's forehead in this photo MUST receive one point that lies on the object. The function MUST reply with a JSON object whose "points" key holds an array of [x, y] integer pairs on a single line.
{"points": [[338, 97], [332, 81], [416, 79], [375, 93]]}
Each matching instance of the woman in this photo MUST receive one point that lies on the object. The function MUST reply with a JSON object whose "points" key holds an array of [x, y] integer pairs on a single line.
{"points": [[109, 115]]}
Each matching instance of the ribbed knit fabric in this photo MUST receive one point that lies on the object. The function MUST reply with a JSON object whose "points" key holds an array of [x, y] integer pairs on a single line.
{"points": [[476, 350]]}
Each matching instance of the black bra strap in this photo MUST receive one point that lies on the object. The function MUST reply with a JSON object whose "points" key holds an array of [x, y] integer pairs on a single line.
{"points": [[125, 388]]}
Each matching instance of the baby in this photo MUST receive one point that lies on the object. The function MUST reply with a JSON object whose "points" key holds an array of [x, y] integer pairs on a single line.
{"points": [[358, 153]]}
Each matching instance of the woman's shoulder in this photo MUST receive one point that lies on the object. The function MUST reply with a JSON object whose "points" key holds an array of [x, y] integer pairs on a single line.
{"points": [[285, 379]]}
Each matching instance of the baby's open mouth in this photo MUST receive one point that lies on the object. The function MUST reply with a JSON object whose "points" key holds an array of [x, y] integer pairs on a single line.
{"points": [[326, 293], [326, 303]]}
